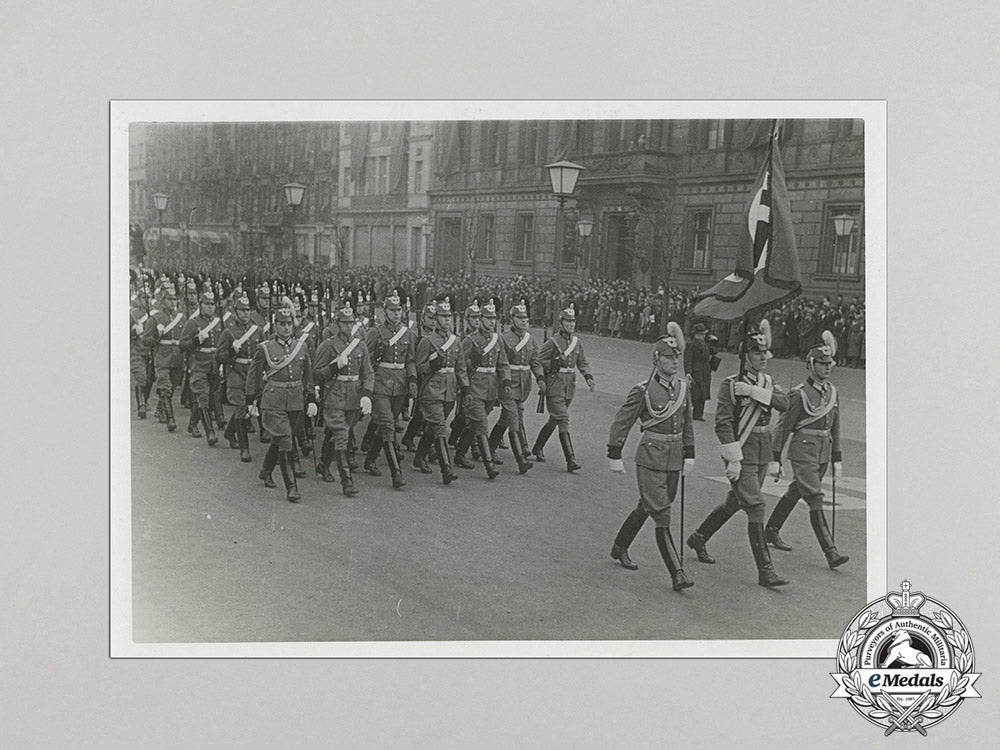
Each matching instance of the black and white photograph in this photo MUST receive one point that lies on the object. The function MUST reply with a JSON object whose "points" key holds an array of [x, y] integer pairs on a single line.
{"points": [[495, 378]]}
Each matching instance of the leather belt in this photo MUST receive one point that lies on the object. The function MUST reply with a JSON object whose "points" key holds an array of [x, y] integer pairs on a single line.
{"points": [[285, 383], [486, 369], [392, 365], [520, 367], [761, 429], [812, 431], [166, 342], [207, 349], [348, 377], [567, 369], [665, 437], [446, 369], [242, 360]]}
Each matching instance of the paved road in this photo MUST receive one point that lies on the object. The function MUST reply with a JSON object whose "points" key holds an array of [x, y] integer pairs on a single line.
{"points": [[219, 558]]}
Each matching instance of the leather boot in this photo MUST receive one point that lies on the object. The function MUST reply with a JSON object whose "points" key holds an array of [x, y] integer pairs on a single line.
{"points": [[762, 557], [669, 554], [543, 437], [140, 402], [567, 447], [496, 437], [168, 410], [448, 474], [777, 519], [352, 448], [206, 421], [231, 433], [366, 442], [833, 558], [423, 448], [517, 448], [265, 436], [193, 420], [161, 411], [712, 523], [251, 430], [293, 455], [308, 435], [270, 461], [463, 446], [486, 455], [457, 428], [392, 458], [374, 446], [325, 457], [244, 440], [344, 469], [287, 474], [412, 432], [626, 534]]}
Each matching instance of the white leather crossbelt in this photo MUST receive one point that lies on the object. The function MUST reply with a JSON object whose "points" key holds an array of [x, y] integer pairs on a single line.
{"points": [[520, 367], [348, 377], [392, 365]]}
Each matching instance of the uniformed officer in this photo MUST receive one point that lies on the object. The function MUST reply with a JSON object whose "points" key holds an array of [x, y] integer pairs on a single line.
{"points": [[280, 384], [308, 326], [261, 317], [441, 369], [199, 340], [162, 334], [662, 405], [489, 379], [743, 413], [472, 318], [391, 346], [343, 365], [522, 357], [561, 356], [237, 345], [140, 354], [813, 422], [416, 428]]}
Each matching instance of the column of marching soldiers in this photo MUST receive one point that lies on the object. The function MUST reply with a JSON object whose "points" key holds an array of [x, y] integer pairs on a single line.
{"points": [[287, 375]]}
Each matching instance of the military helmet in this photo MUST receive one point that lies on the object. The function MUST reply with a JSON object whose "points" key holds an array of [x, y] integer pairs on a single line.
{"points": [[207, 297], [519, 311], [489, 310], [283, 315], [672, 342], [759, 338], [392, 302], [823, 353], [243, 302], [568, 314], [345, 315], [442, 308], [473, 311]]}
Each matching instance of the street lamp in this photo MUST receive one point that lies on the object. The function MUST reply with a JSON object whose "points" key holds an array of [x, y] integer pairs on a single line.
{"points": [[563, 176], [293, 195], [427, 228], [160, 201], [187, 237], [584, 227], [843, 225]]}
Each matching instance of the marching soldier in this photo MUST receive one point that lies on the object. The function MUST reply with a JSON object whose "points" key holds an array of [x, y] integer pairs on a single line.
{"points": [[486, 363], [522, 357], [561, 356], [441, 369], [261, 317], [236, 347], [307, 326], [162, 334], [199, 340], [139, 350], [743, 413], [473, 315], [662, 405], [813, 421], [343, 365], [391, 346], [416, 427], [279, 385]]}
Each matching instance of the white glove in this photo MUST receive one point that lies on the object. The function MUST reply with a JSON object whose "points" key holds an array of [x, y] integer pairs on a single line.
{"points": [[366, 405], [202, 337], [252, 410], [733, 469], [774, 470], [311, 410], [236, 346], [434, 355], [838, 469], [617, 465], [688, 466], [760, 395], [741, 388], [341, 361], [138, 329]]}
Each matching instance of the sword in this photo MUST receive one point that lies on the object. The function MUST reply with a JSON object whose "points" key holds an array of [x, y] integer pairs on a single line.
{"points": [[902, 721], [833, 479], [682, 516]]}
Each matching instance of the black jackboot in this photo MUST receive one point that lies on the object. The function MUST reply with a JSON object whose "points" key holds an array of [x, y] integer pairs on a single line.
{"points": [[543, 437], [371, 456], [762, 557], [519, 451], [325, 457], [485, 454], [463, 447], [567, 447], [496, 437], [366, 442], [168, 410], [293, 456], [833, 558], [712, 523], [161, 412], [291, 487], [140, 402], [626, 535], [352, 448], [344, 469], [392, 458], [669, 554], [423, 448], [265, 436], [448, 474], [270, 461], [193, 420], [457, 428], [777, 519], [231, 432], [412, 431], [244, 440], [206, 421]]}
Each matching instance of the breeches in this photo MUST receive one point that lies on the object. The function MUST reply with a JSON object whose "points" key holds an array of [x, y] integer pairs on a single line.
{"points": [[657, 490], [168, 378], [435, 414], [385, 412], [807, 483], [476, 413], [511, 413], [279, 426], [204, 386], [558, 407], [339, 423], [236, 389], [138, 366], [744, 493]]}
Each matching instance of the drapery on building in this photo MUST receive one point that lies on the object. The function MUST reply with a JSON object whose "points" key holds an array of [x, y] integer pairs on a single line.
{"points": [[666, 197]]}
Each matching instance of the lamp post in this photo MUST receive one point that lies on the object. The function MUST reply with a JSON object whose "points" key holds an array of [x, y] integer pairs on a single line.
{"points": [[187, 238], [427, 228], [584, 227], [160, 201], [293, 195], [843, 225], [563, 176]]}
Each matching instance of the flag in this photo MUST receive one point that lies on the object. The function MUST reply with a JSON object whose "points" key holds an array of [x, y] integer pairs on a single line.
{"points": [[767, 264], [359, 151]]}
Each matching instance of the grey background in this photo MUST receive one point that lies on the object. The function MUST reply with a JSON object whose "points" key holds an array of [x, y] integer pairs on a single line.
{"points": [[61, 66]]}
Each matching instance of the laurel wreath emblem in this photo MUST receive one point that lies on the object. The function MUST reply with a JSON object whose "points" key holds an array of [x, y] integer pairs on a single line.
{"points": [[862, 696]]}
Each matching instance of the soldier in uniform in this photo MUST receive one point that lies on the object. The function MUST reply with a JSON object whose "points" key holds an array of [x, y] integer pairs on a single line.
{"points": [[441, 369], [697, 364], [237, 344], [561, 356], [415, 428], [308, 326], [391, 346], [199, 340], [473, 316], [662, 405], [261, 317], [522, 357], [343, 365], [743, 413], [489, 380], [162, 335], [280, 384], [139, 350], [813, 422]]}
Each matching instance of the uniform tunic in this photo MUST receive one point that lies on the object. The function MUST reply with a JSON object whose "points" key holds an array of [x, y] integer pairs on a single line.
{"points": [[139, 348], [238, 360], [663, 408], [442, 375], [560, 374], [204, 380], [487, 368], [344, 386], [524, 363], [745, 491], [814, 426], [393, 353], [162, 334], [282, 392]]}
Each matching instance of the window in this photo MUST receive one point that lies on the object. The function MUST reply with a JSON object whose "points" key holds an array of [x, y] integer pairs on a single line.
{"points": [[709, 135], [613, 140], [583, 137], [345, 182], [383, 175], [527, 148], [490, 143], [524, 239], [698, 248], [418, 176], [489, 236], [842, 254]]}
